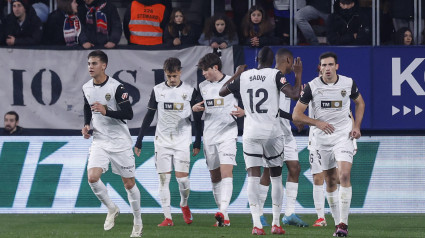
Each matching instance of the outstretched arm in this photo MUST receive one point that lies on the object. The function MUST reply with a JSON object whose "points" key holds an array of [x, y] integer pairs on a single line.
{"points": [[224, 91]]}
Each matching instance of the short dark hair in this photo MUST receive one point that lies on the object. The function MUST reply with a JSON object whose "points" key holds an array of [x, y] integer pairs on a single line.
{"points": [[265, 56], [208, 61], [172, 65], [327, 55], [13, 113], [100, 54], [283, 51], [346, 1], [65, 6]]}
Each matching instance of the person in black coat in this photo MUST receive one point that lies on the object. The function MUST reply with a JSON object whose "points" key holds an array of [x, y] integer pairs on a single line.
{"points": [[178, 31], [101, 24], [349, 25], [22, 26], [63, 26]]}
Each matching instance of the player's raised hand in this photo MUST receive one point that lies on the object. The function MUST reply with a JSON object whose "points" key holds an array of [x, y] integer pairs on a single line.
{"points": [[238, 113], [137, 151], [85, 132], [297, 67], [240, 69], [198, 107], [325, 127]]}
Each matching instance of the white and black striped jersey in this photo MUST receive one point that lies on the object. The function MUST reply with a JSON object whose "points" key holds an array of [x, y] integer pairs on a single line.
{"points": [[331, 103], [259, 90], [219, 125], [173, 104], [108, 132]]}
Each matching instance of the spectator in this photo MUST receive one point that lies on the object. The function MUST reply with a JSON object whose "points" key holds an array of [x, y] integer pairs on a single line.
{"points": [[257, 29], [403, 14], [11, 124], [219, 33], [22, 26], [101, 24], [63, 26], [145, 21], [349, 25], [315, 9], [403, 37], [282, 19], [179, 32], [41, 8]]}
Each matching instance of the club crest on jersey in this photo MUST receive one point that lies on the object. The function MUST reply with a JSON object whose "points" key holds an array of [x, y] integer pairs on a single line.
{"points": [[343, 93], [283, 80], [173, 106], [184, 96], [215, 102], [124, 96], [108, 97]]}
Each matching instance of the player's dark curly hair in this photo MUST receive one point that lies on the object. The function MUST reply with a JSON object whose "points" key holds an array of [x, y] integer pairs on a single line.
{"points": [[208, 61], [172, 65]]}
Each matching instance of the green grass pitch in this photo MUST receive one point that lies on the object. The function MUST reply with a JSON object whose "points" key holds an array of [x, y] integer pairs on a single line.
{"points": [[91, 225]]}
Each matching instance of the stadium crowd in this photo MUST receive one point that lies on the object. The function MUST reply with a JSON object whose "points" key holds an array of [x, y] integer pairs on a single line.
{"points": [[97, 23]]}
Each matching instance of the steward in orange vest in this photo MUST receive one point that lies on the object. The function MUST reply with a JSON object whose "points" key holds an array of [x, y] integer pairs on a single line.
{"points": [[145, 20]]}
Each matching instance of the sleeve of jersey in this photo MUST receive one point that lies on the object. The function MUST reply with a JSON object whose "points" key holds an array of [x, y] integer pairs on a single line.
{"points": [[145, 125], [196, 97], [280, 81], [306, 95], [125, 112], [153, 104], [285, 115], [234, 86], [354, 91], [87, 112]]}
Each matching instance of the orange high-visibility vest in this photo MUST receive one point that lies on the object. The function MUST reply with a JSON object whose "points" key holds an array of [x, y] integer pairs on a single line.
{"points": [[145, 23]]}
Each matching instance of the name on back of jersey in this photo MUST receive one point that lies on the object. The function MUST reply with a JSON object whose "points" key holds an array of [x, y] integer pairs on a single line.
{"points": [[257, 77], [173, 106], [218, 102]]}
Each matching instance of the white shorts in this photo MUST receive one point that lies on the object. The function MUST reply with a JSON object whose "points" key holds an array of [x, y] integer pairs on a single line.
{"points": [[122, 163], [290, 149], [271, 149], [166, 158], [222, 153], [327, 159]]}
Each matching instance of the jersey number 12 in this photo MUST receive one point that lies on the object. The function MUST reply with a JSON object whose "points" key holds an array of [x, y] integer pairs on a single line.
{"points": [[265, 95]]}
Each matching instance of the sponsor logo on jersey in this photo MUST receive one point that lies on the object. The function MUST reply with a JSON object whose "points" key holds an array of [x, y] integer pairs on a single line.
{"points": [[108, 97], [124, 96], [283, 80], [173, 106], [184, 96], [343, 93], [257, 77], [219, 102], [331, 104]]}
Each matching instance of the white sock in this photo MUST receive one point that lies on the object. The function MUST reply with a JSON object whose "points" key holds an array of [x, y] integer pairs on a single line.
{"points": [[277, 197], [226, 195], [184, 188], [319, 200], [333, 200], [217, 193], [291, 197], [99, 189], [164, 194], [345, 194], [253, 184], [134, 200], [262, 196]]}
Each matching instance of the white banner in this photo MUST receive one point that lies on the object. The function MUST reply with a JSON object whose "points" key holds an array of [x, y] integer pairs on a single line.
{"points": [[44, 86]]}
